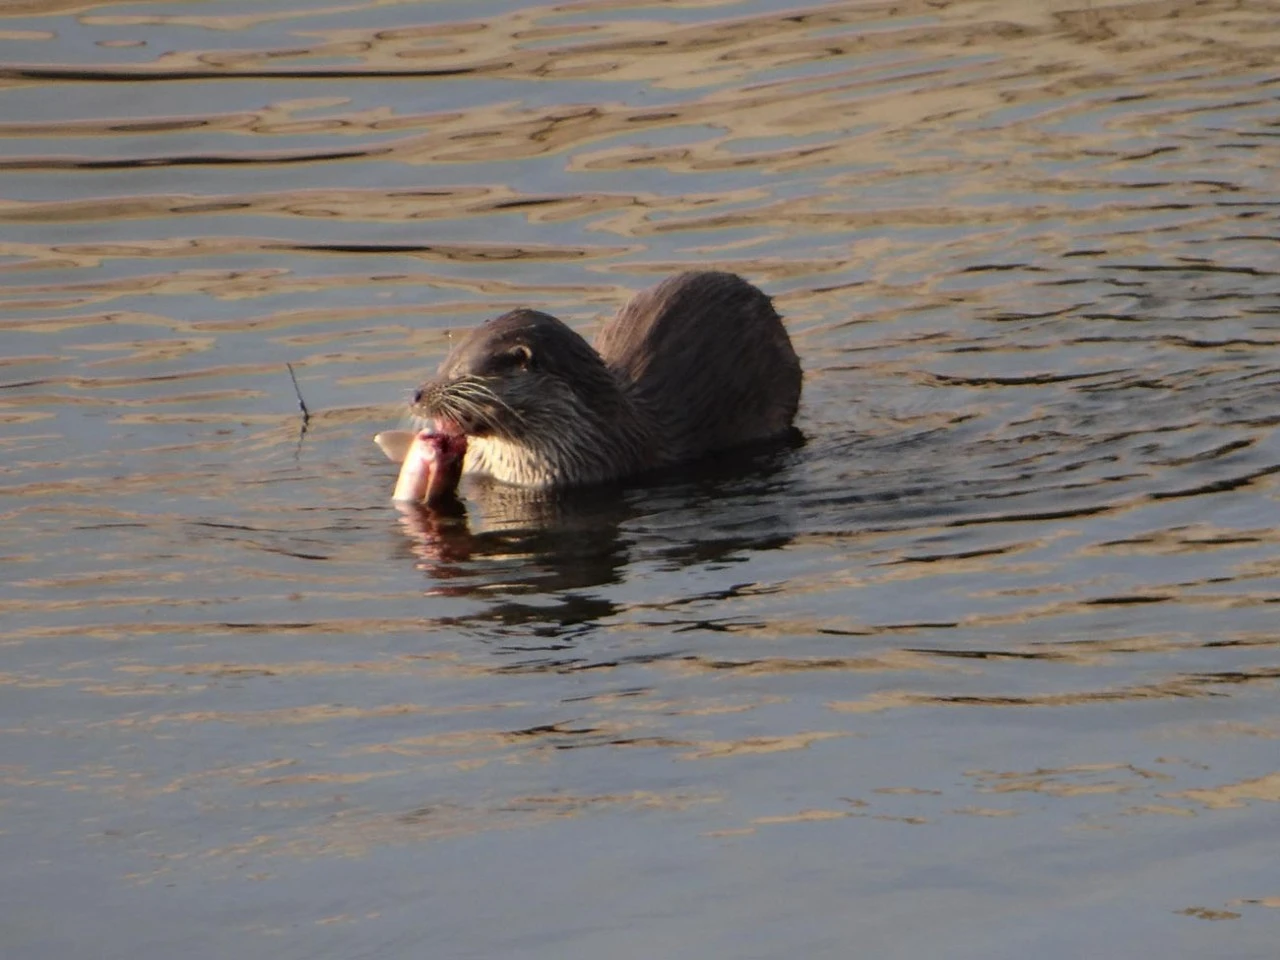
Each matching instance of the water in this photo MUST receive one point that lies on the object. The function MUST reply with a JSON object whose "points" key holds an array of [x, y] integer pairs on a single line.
{"points": [[984, 668]]}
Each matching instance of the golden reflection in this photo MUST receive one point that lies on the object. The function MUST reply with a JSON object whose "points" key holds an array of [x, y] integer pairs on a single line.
{"points": [[354, 833], [148, 351], [987, 812], [115, 318], [726, 51], [44, 8], [1238, 794], [955, 204], [1177, 687], [1073, 781], [222, 21], [859, 106], [712, 749], [803, 816], [888, 661], [356, 205], [1186, 539], [1205, 913], [25, 417]]}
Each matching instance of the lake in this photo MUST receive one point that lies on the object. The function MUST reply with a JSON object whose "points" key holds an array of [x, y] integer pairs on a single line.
{"points": [[985, 667]]}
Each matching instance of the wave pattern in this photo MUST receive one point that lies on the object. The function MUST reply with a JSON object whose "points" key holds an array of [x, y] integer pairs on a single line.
{"points": [[1018, 583]]}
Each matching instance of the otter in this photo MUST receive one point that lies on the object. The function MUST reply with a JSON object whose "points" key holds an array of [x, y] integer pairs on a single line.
{"points": [[698, 364]]}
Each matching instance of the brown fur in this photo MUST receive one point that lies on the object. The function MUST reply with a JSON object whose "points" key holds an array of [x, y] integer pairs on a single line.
{"points": [[699, 363]]}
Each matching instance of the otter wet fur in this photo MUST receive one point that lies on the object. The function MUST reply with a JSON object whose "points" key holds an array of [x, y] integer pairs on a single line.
{"points": [[697, 364]]}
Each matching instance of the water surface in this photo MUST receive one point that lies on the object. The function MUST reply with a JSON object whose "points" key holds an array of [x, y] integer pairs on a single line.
{"points": [[985, 668]]}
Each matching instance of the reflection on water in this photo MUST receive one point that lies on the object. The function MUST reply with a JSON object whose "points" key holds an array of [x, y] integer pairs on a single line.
{"points": [[991, 651]]}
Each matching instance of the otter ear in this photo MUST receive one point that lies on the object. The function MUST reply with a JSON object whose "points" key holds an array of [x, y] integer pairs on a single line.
{"points": [[519, 356]]}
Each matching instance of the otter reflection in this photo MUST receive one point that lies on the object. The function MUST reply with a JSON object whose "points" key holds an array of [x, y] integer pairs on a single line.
{"points": [[509, 541], [699, 364]]}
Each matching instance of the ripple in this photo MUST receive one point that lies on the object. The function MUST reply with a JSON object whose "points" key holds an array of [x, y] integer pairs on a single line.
{"points": [[1016, 582]]}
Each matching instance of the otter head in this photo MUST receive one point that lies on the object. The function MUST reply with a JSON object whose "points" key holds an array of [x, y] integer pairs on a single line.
{"points": [[536, 403]]}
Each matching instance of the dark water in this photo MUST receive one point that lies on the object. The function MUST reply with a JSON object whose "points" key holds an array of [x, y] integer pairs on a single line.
{"points": [[986, 668]]}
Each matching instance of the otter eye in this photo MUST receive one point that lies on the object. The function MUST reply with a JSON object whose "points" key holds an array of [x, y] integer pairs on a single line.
{"points": [[519, 357]]}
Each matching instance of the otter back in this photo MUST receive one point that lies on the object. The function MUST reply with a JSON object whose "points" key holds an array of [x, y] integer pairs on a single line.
{"points": [[708, 356]]}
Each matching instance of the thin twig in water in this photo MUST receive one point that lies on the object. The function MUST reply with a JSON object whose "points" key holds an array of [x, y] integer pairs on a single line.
{"points": [[302, 404]]}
